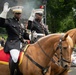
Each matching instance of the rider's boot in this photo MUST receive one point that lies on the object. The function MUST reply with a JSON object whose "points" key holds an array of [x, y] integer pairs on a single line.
{"points": [[12, 66]]}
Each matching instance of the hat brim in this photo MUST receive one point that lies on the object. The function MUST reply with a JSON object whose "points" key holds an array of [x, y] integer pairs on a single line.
{"points": [[17, 11], [40, 14]]}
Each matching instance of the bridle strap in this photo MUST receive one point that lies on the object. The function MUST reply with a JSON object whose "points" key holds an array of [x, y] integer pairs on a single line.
{"points": [[62, 59], [66, 60], [44, 51], [44, 70]]}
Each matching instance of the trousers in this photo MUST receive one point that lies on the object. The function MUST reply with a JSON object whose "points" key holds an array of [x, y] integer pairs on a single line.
{"points": [[14, 54]]}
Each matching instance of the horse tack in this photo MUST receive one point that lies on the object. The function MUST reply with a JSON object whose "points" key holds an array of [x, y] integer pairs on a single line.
{"points": [[44, 70], [26, 69], [25, 49], [61, 60], [58, 47], [64, 69]]}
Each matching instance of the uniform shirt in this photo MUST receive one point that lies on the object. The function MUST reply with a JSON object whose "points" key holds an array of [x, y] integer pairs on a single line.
{"points": [[15, 33], [37, 26]]}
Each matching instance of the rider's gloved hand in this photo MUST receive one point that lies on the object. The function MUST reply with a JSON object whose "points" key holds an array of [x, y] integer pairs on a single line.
{"points": [[5, 10], [32, 16], [35, 34]]}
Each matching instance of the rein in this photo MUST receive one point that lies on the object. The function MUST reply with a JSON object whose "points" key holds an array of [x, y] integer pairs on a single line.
{"points": [[61, 60], [44, 70]]}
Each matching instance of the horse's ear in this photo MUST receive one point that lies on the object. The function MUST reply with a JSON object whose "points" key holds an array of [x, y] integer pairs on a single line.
{"points": [[65, 36]]}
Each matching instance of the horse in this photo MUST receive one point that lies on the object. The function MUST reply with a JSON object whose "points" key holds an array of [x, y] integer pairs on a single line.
{"points": [[56, 69], [37, 56]]}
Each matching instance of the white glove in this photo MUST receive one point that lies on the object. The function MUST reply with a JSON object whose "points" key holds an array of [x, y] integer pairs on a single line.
{"points": [[35, 34], [40, 34], [31, 18], [5, 10], [30, 36]]}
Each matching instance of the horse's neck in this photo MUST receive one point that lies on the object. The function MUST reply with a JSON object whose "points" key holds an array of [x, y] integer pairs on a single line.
{"points": [[45, 49]]}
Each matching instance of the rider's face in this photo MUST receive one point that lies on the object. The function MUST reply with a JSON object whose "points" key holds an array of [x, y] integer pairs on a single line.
{"points": [[17, 15], [37, 16]]}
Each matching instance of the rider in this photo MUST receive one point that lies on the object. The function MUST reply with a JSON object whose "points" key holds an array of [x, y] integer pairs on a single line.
{"points": [[35, 22], [15, 33]]}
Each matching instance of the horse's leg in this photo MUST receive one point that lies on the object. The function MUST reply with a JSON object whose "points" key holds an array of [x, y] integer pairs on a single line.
{"points": [[4, 69]]}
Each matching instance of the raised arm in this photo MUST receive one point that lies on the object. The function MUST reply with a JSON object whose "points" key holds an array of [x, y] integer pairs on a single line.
{"points": [[31, 18], [4, 14]]}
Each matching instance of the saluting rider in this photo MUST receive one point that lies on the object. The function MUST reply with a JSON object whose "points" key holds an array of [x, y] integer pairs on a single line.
{"points": [[35, 22], [15, 33]]}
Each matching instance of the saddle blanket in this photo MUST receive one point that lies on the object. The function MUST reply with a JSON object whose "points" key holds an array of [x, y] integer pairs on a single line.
{"points": [[5, 57]]}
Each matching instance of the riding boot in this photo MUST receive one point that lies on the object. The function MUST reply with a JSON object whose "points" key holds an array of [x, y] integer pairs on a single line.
{"points": [[12, 67]]}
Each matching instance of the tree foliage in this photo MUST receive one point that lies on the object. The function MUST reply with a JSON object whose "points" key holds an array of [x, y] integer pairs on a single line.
{"points": [[59, 15]]}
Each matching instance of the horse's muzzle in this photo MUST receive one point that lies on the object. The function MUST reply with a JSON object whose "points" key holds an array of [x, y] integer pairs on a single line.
{"points": [[66, 66]]}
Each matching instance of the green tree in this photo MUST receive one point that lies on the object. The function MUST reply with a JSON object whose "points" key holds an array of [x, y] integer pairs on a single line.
{"points": [[57, 14]]}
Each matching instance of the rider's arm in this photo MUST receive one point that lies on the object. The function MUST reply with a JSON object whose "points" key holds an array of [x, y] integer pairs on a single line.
{"points": [[3, 15], [29, 25], [2, 21], [31, 19]]}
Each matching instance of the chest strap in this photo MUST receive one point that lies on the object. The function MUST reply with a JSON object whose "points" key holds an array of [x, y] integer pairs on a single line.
{"points": [[44, 70]]}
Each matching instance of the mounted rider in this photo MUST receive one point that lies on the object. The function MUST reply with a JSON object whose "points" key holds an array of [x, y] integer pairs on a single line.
{"points": [[16, 35], [35, 22]]}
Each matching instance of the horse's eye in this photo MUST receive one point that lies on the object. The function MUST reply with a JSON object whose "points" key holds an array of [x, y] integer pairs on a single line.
{"points": [[64, 47]]}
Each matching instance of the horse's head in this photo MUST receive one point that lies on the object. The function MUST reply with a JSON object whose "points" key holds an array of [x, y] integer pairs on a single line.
{"points": [[64, 50], [55, 42]]}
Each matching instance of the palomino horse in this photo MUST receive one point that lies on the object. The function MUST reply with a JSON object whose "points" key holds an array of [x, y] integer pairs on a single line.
{"points": [[56, 69], [37, 57]]}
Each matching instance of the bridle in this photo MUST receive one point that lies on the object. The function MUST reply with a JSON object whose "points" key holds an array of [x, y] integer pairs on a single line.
{"points": [[44, 70], [59, 47], [61, 60]]}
